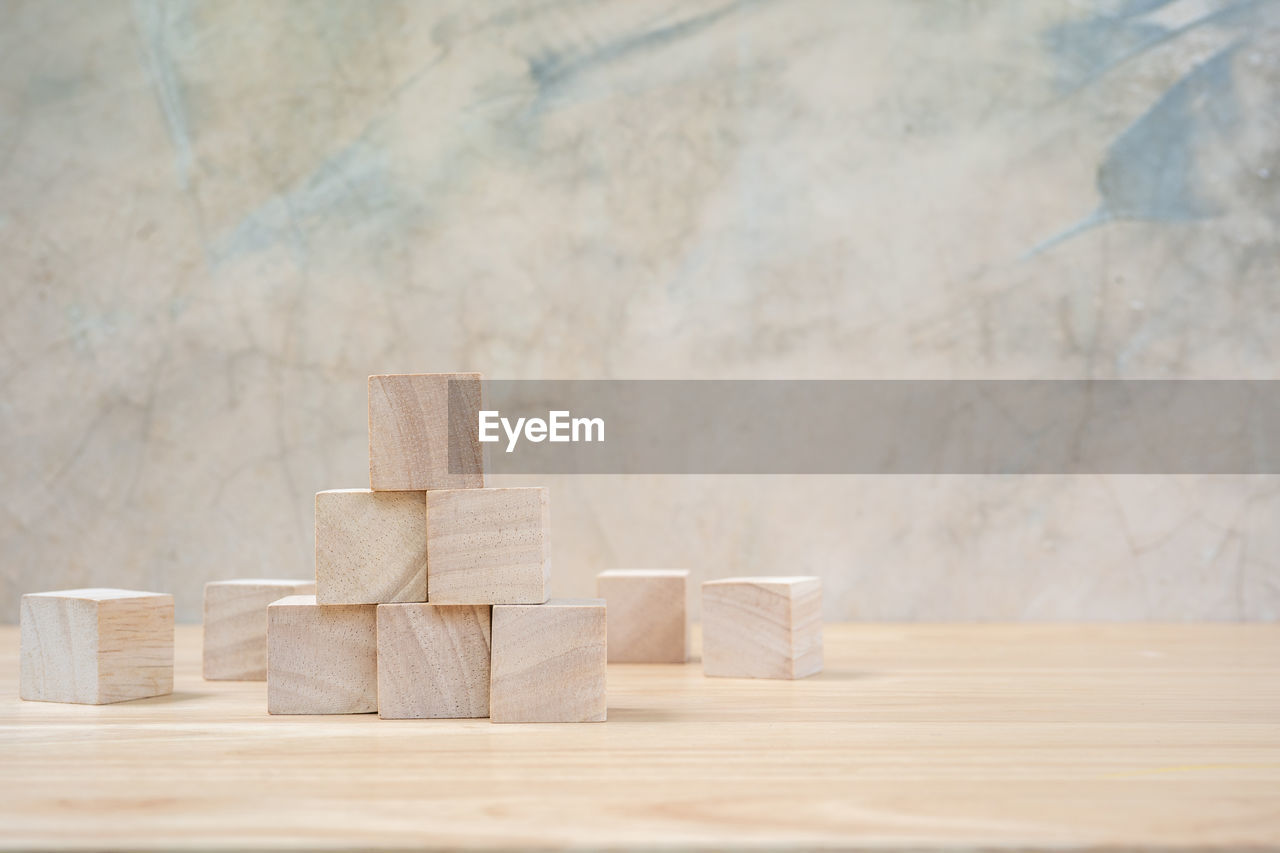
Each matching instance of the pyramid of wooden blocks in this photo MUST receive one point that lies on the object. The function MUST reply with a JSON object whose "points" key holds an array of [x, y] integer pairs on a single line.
{"points": [[95, 646], [371, 547], [548, 663], [433, 661], [235, 625], [488, 546], [321, 659], [767, 627], [424, 432], [647, 616], [431, 596]]}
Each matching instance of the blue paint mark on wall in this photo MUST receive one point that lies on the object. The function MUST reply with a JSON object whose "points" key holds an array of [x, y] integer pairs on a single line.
{"points": [[349, 191], [1150, 170], [552, 68], [156, 21], [1158, 168], [1084, 50]]}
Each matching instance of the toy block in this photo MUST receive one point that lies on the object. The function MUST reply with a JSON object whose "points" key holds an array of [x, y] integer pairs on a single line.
{"points": [[235, 625], [96, 646], [488, 546], [647, 615], [767, 627], [411, 444], [371, 547], [321, 659], [549, 662], [433, 661]]}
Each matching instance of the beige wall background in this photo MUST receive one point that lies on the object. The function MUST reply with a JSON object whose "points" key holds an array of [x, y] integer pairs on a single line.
{"points": [[217, 218]]}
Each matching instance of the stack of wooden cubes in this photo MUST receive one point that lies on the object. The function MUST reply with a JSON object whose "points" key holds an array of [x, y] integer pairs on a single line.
{"points": [[432, 595]]}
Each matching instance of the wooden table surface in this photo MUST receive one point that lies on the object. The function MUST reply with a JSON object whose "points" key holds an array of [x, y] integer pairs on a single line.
{"points": [[930, 737]]}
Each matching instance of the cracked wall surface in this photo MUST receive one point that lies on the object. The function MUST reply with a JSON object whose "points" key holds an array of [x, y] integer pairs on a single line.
{"points": [[216, 220]]}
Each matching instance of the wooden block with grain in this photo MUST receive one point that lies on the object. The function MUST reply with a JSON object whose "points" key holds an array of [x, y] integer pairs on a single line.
{"points": [[235, 625], [321, 659], [488, 546], [424, 432], [371, 547], [549, 662], [433, 661], [96, 646], [766, 627], [648, 620]]}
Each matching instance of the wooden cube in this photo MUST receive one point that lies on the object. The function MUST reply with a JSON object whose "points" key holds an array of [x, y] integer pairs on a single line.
{"points": [[95, 646], [235, 625], [321, 660], [371, 547], [433, 661], [549, 662], [411, 445], [488, 546], [647, 616], [768, 627]]}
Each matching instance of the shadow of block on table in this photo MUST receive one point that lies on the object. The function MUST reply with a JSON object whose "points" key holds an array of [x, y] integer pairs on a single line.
{"points": [[321, 659], [764, 627], [96, 646], [549, 662], [422, 426], [235, 625], [371, 547], [488, 546], [433, 661], [648, 618]]}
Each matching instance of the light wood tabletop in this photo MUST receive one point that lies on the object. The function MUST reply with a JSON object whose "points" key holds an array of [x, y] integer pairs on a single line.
{"points": [[923, 737]]}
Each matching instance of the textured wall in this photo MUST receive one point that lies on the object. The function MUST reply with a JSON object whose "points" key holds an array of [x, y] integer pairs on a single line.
{"points": [[216, 219]]}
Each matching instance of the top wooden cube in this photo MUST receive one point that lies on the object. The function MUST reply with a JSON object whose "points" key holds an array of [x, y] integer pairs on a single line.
{"points": [[410, 444]]}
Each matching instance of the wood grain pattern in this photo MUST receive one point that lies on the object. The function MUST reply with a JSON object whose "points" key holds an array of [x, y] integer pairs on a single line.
{"points": [[549, 662], [235, 625], [433, 661], [96, 646], [488, 546], [409, 419], [371, 547], [765, 627], [321, 659], [648, 618], [920, 737]]}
